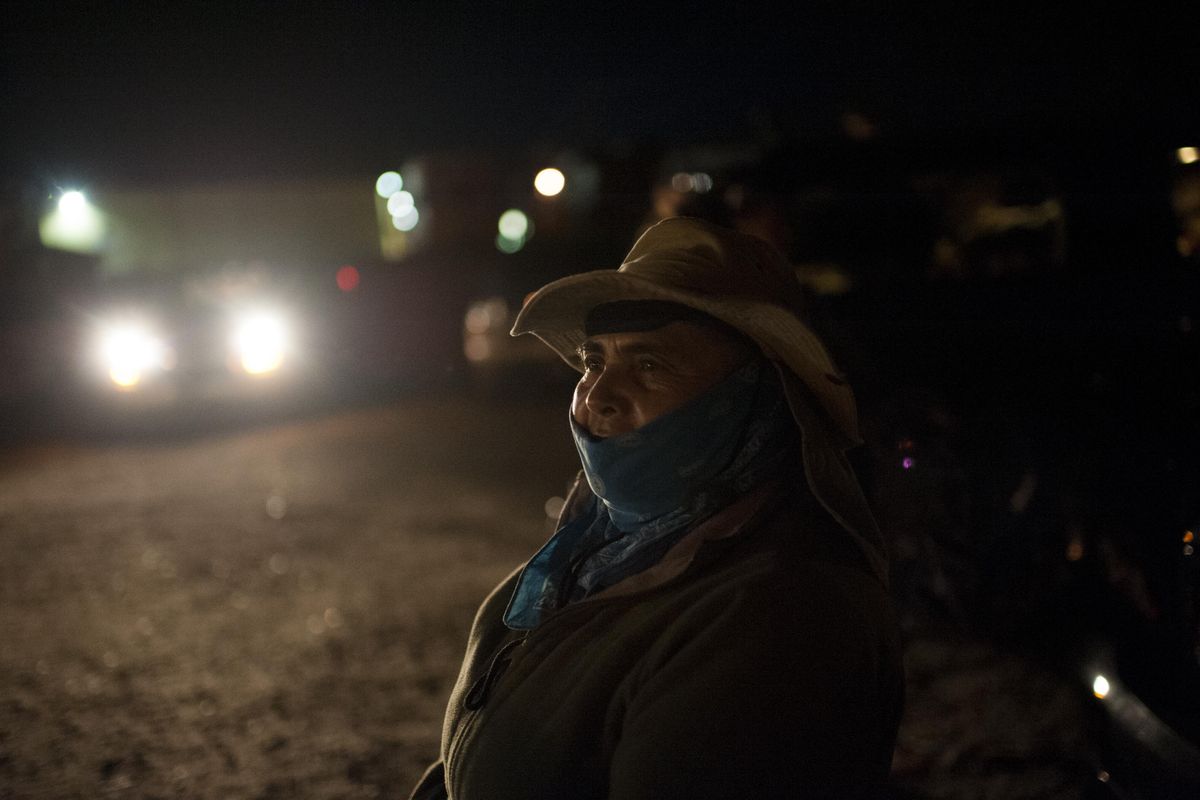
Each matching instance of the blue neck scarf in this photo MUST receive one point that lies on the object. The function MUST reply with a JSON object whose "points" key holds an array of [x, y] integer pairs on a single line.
{"points": [[643, 475], [653, 484]]}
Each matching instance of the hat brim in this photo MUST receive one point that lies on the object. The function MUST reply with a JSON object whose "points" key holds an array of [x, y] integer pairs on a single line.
{"points": [[556, 314]]}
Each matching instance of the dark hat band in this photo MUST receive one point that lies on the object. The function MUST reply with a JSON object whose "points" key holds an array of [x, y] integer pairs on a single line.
{"points": [[626, 316]]}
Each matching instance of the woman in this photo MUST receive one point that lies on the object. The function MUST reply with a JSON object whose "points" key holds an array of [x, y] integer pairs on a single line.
{"points": [[711, 617]]}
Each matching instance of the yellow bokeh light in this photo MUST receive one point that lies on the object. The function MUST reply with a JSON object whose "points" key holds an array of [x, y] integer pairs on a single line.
{"points": [[1188, 155], [125, 377], [260, 340], [477, 348], [1075, 549], [261, 362], [1100, 687], [549, 182], [477, 320], [486, 315]]}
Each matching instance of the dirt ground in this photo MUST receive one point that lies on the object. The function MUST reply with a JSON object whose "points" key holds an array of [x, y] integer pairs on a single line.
{"points": [[279, 612]]}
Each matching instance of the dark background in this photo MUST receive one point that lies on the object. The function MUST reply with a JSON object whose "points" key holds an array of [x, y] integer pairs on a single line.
{"points": [[191, 90]]}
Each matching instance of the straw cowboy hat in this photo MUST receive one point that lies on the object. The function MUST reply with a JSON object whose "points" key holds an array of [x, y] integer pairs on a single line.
{"points": [[746, 283]]}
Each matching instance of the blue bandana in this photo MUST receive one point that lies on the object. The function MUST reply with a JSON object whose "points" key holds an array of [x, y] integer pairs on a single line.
{"points": [[653, 484], [646, 473]]}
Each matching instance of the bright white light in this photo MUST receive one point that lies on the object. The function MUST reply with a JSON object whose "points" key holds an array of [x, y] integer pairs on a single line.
{"points": [[513, 225], [682, 182], [1100, 687], [399, 203], [72, 202], [1188, 155], [702, 182], [260, 341], [549, 182], [74, 225], [406, 221], [388, 184], [124, 378], [130, 350]]}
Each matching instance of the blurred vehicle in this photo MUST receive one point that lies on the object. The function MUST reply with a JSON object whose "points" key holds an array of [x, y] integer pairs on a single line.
{"points": [[162, 341]]}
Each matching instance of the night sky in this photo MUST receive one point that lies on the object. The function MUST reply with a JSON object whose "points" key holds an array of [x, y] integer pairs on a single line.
{"points": [[148, 92]]}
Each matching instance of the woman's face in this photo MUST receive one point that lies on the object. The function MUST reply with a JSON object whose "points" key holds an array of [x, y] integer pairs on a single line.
{"points": [[633, 378]]}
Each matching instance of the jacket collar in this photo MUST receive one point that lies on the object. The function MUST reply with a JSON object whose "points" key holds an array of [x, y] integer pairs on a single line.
{"points": [[725, 524]]}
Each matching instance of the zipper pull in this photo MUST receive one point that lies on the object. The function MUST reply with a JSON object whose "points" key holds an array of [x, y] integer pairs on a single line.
{"points": [[477, 695]]}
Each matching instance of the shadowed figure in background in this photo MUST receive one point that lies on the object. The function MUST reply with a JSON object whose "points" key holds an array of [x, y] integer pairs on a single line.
{"points": [[711, 617]]}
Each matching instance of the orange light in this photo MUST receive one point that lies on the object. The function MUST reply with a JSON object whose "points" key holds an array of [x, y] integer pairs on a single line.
{"points": [[347, 278], [1188, 536], [1075, 548]]}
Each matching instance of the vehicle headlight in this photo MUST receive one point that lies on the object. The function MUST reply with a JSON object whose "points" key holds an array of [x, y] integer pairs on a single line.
{"points": [[260, 341], [130, 350]]}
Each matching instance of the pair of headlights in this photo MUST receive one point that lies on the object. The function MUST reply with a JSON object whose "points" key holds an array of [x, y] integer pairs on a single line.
{"points": [[132, 350]]}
